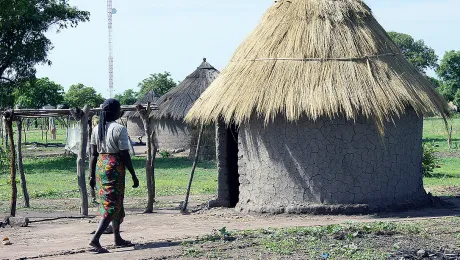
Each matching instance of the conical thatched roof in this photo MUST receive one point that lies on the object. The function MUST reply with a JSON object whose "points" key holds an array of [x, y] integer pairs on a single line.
{"points": [[149, 97], [317, 58], [177, 102]]}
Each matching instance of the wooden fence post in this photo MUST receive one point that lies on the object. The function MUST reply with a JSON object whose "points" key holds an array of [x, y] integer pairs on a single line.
{"points": [[2, 127], [82, 115], [8, 117], [150, 161], [21, 166]]}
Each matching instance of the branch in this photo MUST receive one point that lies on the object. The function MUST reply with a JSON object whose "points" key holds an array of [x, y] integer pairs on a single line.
{"points": [[7, 79]]}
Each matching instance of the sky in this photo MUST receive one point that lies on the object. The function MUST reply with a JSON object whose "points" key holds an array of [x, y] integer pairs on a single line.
{"points": [[152, 36]]}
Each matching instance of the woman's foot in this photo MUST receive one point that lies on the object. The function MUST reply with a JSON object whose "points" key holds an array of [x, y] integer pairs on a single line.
{"points": [[97, 247], [124, 243]]}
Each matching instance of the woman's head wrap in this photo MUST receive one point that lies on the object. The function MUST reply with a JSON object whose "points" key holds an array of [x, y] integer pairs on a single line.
{"points": [[109, 112]]}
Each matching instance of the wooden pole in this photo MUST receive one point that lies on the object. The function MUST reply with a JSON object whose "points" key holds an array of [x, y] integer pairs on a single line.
{"points": [[150, 161], [195, 160], [449, 140], [8, 116], [25, 134], [1, 129], [81, 160], [46, 133], [21, 166]]}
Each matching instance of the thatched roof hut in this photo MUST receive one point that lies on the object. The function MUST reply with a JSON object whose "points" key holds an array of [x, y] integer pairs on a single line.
{"points": [[172, 132], [324, 110], [177, 102], [134, 122]]}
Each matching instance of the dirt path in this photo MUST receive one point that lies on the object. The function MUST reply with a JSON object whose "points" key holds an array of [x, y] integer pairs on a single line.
{"points": [[157, 234]]}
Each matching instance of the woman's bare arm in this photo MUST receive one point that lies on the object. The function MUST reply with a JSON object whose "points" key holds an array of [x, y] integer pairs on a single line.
{"points": [[92, 166], [126, 159]]}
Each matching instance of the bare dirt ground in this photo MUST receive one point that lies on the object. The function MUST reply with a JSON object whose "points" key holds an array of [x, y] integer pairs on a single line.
{"points": [[160, 235]]}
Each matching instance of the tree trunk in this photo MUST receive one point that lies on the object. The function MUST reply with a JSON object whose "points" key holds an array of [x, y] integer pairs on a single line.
{"points": [[81, 161], [1, 130], [449, 139], [21, 166], [150, 161], [14, 190], [154, 152]]}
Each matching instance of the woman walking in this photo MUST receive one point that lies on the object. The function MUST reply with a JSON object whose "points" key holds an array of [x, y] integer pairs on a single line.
{"points": [[109, 160]]}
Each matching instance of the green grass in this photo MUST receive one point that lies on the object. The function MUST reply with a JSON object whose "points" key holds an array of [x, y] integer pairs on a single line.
{"points": [[36, 136], [447, 175], [53, 178], [434, 132], [348, 241]]}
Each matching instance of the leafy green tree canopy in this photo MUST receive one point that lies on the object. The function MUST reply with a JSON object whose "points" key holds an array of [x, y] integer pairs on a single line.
{"points": [[23, 25], [449, 67], [159, 83], [129, 97], [80, 95], [418, 53], [449, 73], [38, 93], [6, 96]]}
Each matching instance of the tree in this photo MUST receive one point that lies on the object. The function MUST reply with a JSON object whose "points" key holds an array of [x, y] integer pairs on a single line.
{"points": [[39, 93], [129, 97], [456, 99], [159, 83], [447, 90], [6, 96], [80, 95], [449, 68], [420, 55], [435, 82], [449, 73], [23, 28]]}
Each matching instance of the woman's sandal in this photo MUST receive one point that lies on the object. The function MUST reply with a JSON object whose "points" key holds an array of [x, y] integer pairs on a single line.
{"points": [[98, 249], [125, 243]]}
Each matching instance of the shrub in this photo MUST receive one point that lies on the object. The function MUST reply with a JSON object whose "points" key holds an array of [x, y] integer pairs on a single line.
{"points": [[4, 160], [165, 154], [429, 162]]}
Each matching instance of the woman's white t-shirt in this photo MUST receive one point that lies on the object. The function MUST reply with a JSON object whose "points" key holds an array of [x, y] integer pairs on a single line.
{"points": [[116, 139]]}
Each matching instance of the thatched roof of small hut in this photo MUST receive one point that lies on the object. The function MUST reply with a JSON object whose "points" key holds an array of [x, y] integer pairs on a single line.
{"points": [[319, 58], [149, 97], [177, 102]]}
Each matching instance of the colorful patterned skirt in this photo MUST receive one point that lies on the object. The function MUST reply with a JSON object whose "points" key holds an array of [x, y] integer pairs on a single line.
{"points": [[110, 177]]}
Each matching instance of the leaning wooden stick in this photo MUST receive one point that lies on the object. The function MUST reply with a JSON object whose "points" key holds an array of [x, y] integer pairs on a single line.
{"points": [[184, 207]]}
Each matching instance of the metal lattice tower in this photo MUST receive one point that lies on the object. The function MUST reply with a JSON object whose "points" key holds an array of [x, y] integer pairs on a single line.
{"points": [[109, 15]]}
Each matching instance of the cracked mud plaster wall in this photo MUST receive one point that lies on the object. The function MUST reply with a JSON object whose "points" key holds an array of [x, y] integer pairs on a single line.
{"points": [[135, 128], [207, 145], [329, 162], [172, 135]]}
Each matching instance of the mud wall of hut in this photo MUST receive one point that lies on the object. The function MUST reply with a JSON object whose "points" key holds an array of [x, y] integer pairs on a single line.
{"points": [[208, 143], [287, 167], [172, 135], [135, 128]]}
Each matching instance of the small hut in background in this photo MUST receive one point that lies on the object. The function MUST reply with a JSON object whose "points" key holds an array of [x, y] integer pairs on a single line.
{"points": [[133, 121], [319, 112], [172, 132]]}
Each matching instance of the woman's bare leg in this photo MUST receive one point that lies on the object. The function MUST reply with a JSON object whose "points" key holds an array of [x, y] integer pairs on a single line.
{"points": [[100, 230]]}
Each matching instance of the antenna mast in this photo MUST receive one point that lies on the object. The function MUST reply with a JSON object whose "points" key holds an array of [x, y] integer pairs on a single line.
{"points": [[110, 12]]}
